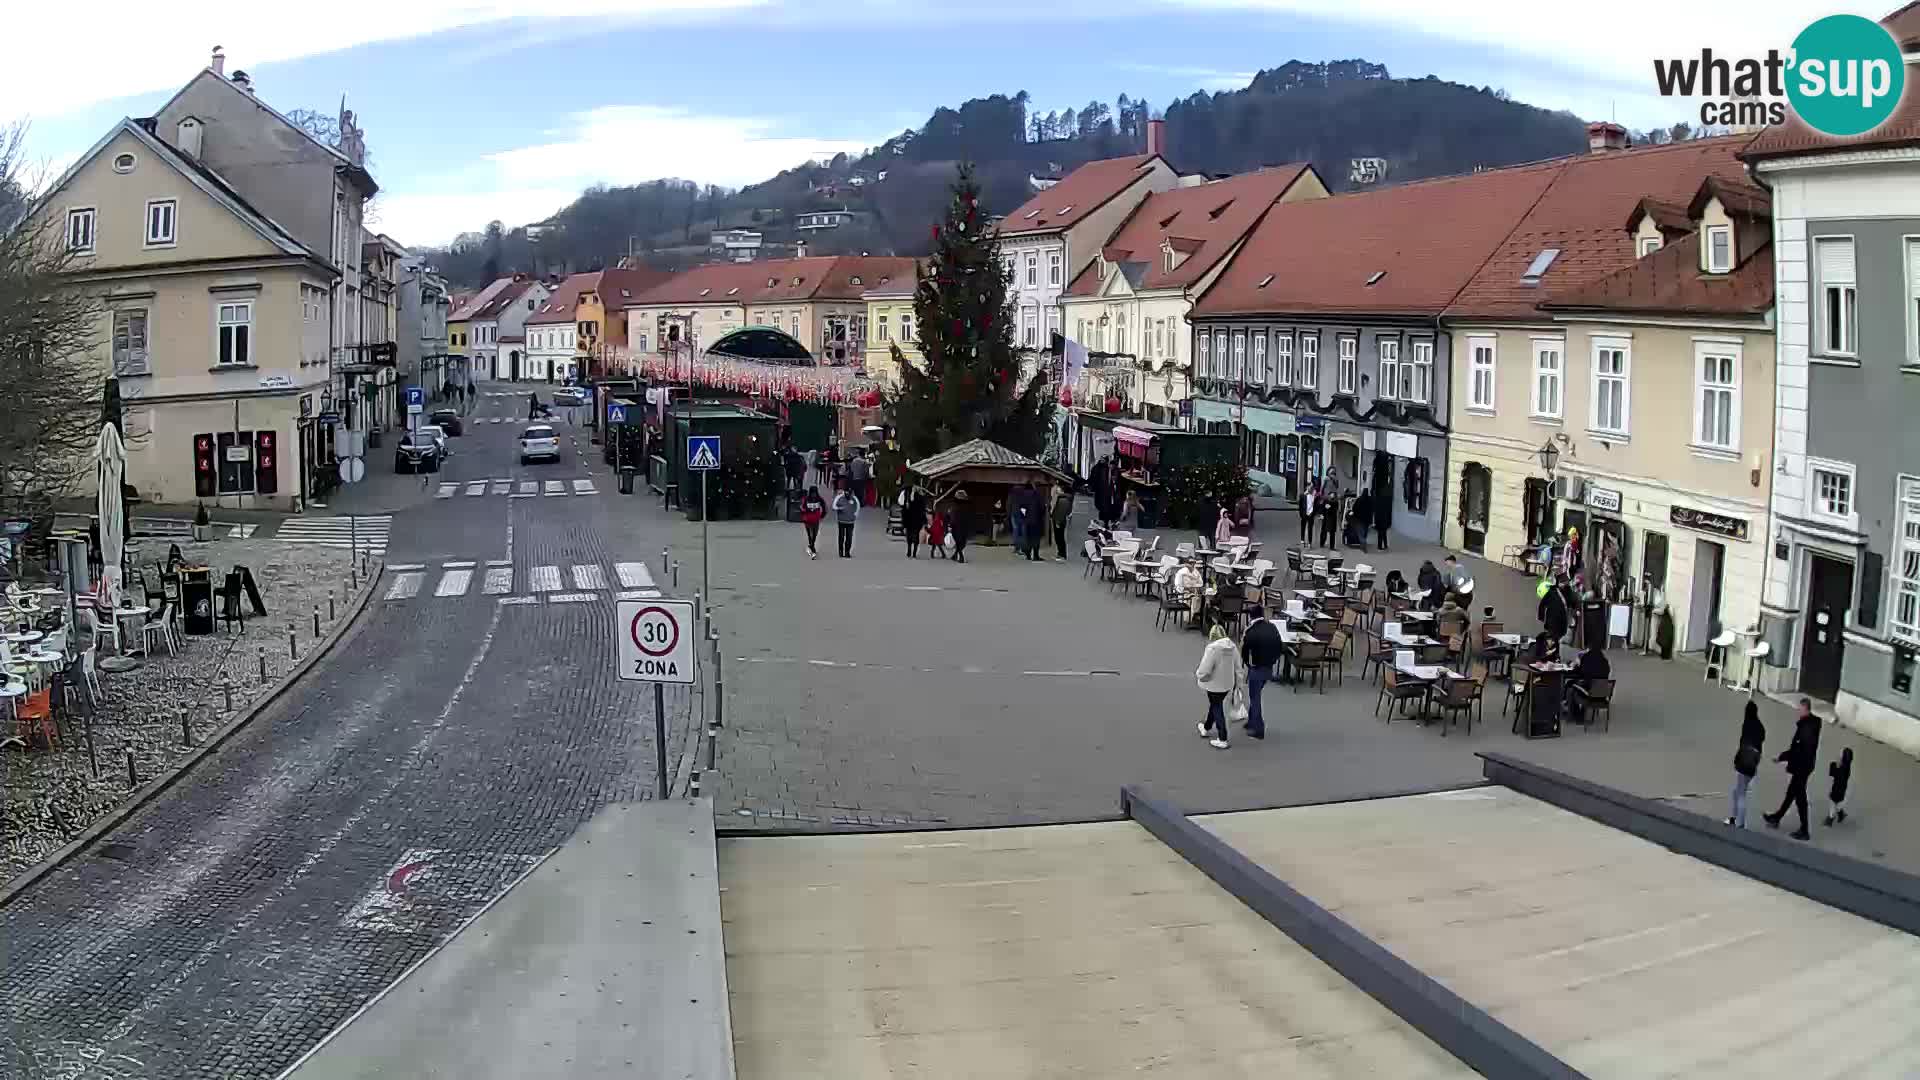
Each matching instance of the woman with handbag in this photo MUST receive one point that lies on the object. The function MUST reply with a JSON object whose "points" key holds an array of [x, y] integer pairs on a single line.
{"points": [[1217, 675], [1746, 762]]}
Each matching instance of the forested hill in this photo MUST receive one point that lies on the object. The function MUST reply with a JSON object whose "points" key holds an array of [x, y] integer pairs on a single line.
{"points": [[1324, 113]]}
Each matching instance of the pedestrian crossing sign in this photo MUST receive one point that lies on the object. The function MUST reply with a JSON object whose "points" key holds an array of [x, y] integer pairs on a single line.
{"points": [[703, 452]]}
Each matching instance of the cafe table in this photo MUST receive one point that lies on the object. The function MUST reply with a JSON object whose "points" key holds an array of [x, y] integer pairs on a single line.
{"points": [[1542, 714], [138, 616]]}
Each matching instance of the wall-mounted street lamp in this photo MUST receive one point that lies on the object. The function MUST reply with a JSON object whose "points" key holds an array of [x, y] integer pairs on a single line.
{"points": [[1549, 455]]}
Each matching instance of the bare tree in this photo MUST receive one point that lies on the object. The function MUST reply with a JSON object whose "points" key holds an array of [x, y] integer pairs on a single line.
{"points": [[49, 326]]}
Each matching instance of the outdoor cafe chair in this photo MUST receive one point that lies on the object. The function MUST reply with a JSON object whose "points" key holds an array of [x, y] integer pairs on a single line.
{"points": [[1596, 698], [1431, 654], [1172, 606], [1153, 547], [1335, 659], [1458, 697], [1229, 605], [160, 627], [1310, 659], [1519, 688], [1183, 552], [1394, 689], [1092, 553], [1295, 571]]}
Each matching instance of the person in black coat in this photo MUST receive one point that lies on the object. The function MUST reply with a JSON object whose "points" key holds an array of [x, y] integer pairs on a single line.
{"points": [[1841, 771], [913, 521], [1260, 649], [1592, 666], [1799, 756], [1360, 520], [1554, 614], [1746, 762], [1430, 580]]}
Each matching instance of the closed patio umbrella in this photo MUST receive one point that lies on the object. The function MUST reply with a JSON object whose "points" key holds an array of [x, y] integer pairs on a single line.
{"points": [[111, 454]]}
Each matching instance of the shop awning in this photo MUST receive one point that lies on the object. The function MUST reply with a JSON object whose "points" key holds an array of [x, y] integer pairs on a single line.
{"points": [[1132, 437]]}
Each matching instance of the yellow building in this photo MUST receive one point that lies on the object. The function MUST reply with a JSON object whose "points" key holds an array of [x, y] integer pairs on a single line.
{"points": [[213, 318], [890, 324]]}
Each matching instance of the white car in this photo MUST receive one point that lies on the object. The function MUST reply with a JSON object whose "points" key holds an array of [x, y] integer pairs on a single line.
{"points": [[439, 435], [539, 441]]}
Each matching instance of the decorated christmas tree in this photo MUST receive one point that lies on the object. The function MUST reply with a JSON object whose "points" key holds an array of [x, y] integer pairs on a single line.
{"points": [[970, 386]]}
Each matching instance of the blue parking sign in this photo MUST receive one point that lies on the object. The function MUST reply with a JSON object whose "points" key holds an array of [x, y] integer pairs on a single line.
{"points": [[416, 395], [703, 452]]}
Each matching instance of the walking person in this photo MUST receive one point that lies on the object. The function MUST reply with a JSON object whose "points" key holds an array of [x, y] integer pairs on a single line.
{"points": [[796, 467], [937, 535], [1060, 514], [1330, 516], [813, 509], [1842, 772], [1360, 521], [860, 477], [1383, 515], [960, 524], [846, 512], [1223, 530], [1216, 675], [1799, 756], [913, 518], [1260, 649], [1309, 495], [1746, 762]]}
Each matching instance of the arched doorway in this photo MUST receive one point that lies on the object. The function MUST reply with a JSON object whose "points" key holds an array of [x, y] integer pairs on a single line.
{"points": [[1476, 495], [1346, 463]]}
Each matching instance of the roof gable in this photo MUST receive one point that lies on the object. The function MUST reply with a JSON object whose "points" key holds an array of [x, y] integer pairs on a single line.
{"points": [[1670, 282], [564, 301], [774, 281], [1082, 191], [470, 307], [1203, 223]]}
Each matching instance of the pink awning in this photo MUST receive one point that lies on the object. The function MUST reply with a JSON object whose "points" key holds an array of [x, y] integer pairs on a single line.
{"points": [[1132, 437]]}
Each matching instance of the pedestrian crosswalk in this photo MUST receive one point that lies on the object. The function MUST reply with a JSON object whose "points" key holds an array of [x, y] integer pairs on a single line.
{"points": [[367, 533], [576, 583], [515, 489]]}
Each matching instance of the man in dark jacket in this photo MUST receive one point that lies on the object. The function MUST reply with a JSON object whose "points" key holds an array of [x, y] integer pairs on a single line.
{"points": [[1554, 615], [1260, 649], [1799, 757]]}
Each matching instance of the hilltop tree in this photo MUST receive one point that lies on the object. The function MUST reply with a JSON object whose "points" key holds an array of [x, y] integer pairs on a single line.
{"points": [[970, 387]]}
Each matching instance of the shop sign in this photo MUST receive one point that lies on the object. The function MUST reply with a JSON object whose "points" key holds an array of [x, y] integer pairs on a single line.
{"points": [[1313, 425], [276, 382], [1706, 521], [306, 406], [1607, 499]]}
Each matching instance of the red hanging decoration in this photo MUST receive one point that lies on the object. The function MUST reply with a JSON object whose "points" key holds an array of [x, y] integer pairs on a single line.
{"points": [[1113, 404], [1066, 396], [936, 232]]}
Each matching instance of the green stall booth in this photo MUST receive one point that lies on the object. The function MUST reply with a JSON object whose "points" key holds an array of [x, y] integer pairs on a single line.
{"points": [[749, 482]]}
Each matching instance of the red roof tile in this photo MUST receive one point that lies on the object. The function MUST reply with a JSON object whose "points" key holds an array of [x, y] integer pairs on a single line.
{"points": [[1426, 238], [560, 306], [1205, 222], [775, 281], [618, 287], [1580, 214], [502, 300], [1670, 282], [467, 308], [1902, 128], [1078, 194], [1904, 25]]}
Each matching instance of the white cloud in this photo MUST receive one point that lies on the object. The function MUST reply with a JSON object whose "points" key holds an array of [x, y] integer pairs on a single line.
{"points": [[1208, 78], [615, 144], [129, 47]]}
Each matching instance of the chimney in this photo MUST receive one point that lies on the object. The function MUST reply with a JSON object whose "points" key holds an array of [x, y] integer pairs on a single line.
{"points": [[219, 64], [1156, 136], [187, 137], [1603, 136], [800, 249], [244, 81]]}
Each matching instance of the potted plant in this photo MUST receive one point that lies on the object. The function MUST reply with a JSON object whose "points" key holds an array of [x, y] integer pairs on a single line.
{"points": [[202, 524]]}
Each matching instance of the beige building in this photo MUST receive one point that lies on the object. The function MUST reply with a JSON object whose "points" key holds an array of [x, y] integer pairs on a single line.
{"points": [[819, 301], [1129, 305], [890, 324], [1653, 388], [214, 318]]}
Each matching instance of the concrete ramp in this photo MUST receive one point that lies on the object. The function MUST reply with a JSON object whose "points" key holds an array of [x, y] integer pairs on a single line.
{"points": [[604, 961], [1058, 951]]}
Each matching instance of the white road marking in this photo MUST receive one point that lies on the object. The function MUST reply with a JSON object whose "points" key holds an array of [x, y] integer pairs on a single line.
{"points": [[446, 491], [454, 583], [545, 579], [554, 487], [457, 565], [477, 487], [396, 567], [501, 487], [501, 562], [528, 487], [571, 598], [499, 581], [634, 575], [519, 600], [639, 594], [242, 532], [584, 487], [524, 495], [405, 586], [588, 576]]}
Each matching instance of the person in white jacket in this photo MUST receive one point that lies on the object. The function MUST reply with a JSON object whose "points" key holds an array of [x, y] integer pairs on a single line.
{"points": [[1219, 665]]}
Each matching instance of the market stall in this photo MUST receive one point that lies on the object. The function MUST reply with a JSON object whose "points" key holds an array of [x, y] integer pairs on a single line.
{"points": [[987, 472]]}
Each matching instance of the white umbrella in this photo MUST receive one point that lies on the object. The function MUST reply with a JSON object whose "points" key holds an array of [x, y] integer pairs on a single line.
{"points": [[111, 454]]}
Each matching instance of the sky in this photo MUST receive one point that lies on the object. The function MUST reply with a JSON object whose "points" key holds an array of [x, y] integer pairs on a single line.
{"points": [[478, 110]]}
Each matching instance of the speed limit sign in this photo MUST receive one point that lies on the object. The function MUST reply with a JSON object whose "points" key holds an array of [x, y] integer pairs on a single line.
{"points": [[655, 640]]}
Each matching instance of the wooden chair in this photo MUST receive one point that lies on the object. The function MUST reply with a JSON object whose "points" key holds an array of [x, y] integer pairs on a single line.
{"points": [[1336, 657], [1431, 654], [1351, 623], [1457, 650], [1310, 658], [1294, 570], [1379, 655], [1392, 689], [1519, 688], [1595, 699], [1229, 605], [1457, 697], [1333, 605]]}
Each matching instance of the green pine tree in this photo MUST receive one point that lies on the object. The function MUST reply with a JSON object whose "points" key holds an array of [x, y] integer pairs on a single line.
{"points": [[970, 386]]}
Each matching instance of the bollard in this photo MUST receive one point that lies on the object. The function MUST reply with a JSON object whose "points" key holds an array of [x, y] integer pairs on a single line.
{"points": [[133, 777], [263, 665], [93, 754], [696, 605], [186, 729], [293, 647], [316, 619], [663, 560], [676, 574], [330, 612], [226, 687], [694, 791]]}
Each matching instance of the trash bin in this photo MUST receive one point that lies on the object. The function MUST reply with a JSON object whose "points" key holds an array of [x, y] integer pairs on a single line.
{"points": [[196, 600], [626, 479]]}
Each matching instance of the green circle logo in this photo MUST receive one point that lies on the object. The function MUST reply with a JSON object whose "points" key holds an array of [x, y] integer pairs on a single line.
{"points": [[1847, 75]]}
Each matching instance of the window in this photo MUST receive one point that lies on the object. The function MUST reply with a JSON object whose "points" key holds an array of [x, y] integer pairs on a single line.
{"points": [[1716, 424], [1913, 299], [1119, 336], [1222, 368], [1239, 355], [160, 215], [796, 325], [1547, 361], [881, 331], [236, 332], [1349, 365], [1480, 358], [1007, 264], [80, 230], [124, 163], [130, 341], [1053, 324], [1053, 268], [1310, 361], [1905, 623], [1389, 368], [1830, 491], [1205, 365], [1160, 334], [1283, 359], [906, 326], [1833, 265], [1027, 317], [1033, 269], [1649, 245], [1719, 249], [1610, 397], [1421, 371]]}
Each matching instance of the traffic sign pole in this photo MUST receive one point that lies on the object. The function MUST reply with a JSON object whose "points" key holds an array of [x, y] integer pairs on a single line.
{"points": [[660, 739], [706, 553]]}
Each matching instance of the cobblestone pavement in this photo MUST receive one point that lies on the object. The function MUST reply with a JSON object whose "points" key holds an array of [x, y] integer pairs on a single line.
{"points": [[139, 710], [233, 922], [881, 691]]}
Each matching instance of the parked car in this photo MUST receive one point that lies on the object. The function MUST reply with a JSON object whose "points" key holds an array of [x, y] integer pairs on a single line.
{"points": [[572, 395], [418, 451], [447, 420], [539, 441], [439, 434]]}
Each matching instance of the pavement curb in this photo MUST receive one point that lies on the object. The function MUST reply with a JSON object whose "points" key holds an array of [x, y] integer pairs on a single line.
{"points": [[153, 788]]}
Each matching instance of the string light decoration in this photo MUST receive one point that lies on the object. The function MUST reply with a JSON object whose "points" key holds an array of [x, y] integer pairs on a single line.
{"points": [[970, 386]]}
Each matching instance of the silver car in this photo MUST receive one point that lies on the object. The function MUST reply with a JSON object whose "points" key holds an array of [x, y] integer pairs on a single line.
{"points": [[539, 441]]}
